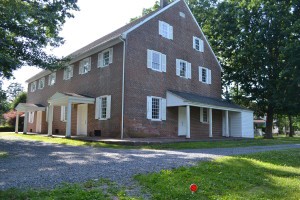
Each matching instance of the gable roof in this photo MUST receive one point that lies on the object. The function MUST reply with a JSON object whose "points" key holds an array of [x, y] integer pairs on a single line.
{"points": [[122, 32]]}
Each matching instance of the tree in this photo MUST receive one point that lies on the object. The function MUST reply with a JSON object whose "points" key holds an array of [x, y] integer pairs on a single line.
{"points": [[4, 105], [254, 42], [13, 90], [21, 98], [26, 28]]}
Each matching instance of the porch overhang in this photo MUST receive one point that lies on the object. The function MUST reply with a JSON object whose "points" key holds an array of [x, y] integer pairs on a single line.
{"points": [[28, 107], [177, 99], [62, 99]]}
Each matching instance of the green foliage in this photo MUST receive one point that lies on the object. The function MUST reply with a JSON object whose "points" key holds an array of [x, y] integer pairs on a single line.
{"points": [[3, 154], [269, 175], [13, 90], [26, 28], [7, 129], [21, 98]]}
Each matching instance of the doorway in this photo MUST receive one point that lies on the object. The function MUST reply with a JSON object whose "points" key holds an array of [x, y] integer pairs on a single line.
{"points": [[82, 119], [182, 125]]}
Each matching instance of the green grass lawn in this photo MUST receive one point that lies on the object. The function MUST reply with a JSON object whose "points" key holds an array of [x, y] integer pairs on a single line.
{"points": [[269, 175], [3, 154], [179, 145]]}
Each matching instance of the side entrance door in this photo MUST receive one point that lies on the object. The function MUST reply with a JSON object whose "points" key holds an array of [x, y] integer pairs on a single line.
{"points": [[182, 121], [39, 122], [82, 119]]}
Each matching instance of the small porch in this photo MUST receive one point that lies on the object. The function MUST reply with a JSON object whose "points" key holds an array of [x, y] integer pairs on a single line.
{"points": [[29, 110], [67, 101], [214, 117]]}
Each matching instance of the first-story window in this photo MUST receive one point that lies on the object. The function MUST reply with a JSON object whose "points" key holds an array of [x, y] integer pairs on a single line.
{"points": [[156, 108], [183, 69], [204, 75], [41, 83], [204, 115], [63, 113], [103, 107], [52, 79], [33, 86], [30, 117]]}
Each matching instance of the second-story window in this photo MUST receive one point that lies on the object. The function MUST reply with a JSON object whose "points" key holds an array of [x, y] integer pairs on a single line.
{"points": [[156, 61], [68, 72], [85, 66], [183, 69], [105, 57], [198, 44], [204, 75], [52, 79], [165, 30], [33, 86], [41, 83]]}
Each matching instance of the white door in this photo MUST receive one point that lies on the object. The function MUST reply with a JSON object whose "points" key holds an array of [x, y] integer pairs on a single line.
{"points": [[39, 122], [182, 121], [82, 119]]}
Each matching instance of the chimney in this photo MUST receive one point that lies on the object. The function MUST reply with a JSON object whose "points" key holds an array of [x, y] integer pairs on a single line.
{"points": [[163, 3]]}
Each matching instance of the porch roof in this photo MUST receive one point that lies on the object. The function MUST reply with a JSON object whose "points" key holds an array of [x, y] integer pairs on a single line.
{"points": [[175, 98], [62, 99], [29, 107]]}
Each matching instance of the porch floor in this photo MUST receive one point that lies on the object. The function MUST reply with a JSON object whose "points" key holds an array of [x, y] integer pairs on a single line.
{"points": [[143, 141]]}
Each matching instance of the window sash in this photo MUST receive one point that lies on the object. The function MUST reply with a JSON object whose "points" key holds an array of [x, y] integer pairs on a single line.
{"points": [[52, 79], [156, 108], [41, 83], [33, 86], [183, 69], [103, 107]]}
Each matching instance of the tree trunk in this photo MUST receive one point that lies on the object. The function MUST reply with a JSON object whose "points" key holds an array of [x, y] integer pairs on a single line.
{"points": [[269, 125], [291, 134]]}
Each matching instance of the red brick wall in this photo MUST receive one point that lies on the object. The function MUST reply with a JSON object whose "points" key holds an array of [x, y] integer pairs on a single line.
{"points": [[142, 82]]}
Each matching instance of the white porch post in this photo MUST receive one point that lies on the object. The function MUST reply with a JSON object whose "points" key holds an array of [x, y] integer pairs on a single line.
{"points": [[50, 120], [226, 124], [210, 122], [25, 123], [17, 123], [188, 122], [68, 128]]}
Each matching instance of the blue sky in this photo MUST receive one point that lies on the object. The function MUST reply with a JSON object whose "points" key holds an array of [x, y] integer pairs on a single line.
{"points": [[95, 19]]}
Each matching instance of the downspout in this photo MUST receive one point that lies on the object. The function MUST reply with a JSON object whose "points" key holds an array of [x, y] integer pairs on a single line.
{"points": [[123, 86]]}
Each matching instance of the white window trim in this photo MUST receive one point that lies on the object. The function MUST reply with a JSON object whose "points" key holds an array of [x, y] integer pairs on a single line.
{"points": [[162, 61], [42, 80], [169, 30], [101, 58], [81, 65], [50, 77], [162, 108], [33, 86], [31, 117], [68, 76], [63, 113], [208, 75], [98, 107], [188, 74], [202, 116], [201, 44]]}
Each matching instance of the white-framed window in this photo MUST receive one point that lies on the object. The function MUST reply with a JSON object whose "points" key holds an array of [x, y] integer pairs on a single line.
{"points": [[63, 113], [68, 72], [105, 57], [85, 66], [156, 61], [204, 115], [41, 84], [103, 107], [52, 79], [204, 75], [30, 117], [156, 108], [183, 69], [33, 86], [198, 44], [165, 30]]}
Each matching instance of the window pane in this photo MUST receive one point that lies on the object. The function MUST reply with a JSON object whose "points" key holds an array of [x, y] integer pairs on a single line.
{"points": [[103, 107], [204, 75], [155, 61], [165, 30], [155, 108], [205, 117], [106, 58], [183, 69], [197, 42]]}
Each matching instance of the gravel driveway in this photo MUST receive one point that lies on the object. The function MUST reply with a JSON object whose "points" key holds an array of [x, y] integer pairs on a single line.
{"points": [[36, 164]]}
